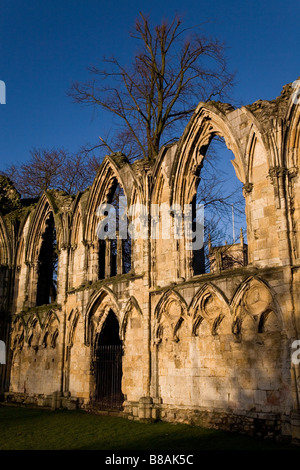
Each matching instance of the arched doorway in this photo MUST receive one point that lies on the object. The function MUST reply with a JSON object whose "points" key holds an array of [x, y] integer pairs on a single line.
{"points": [[108, 366]]}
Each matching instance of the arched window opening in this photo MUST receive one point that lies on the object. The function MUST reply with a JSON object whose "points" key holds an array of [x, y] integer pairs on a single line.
{"points": [[115, 253], [47, 265], [108, 365], [225, 229]]}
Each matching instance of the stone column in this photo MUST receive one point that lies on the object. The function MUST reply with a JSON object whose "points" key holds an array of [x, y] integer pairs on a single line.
{"points": [[145, 409], [278, 179], [62, 274], [33, 273], [107, 257], [119, 255]]}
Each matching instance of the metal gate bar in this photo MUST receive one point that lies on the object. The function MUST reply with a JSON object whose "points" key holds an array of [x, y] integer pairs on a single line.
{"points": [[108, 393]]}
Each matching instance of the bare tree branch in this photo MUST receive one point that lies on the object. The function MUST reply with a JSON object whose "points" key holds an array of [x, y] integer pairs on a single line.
{"points": [[53, 169], [173, 70]]}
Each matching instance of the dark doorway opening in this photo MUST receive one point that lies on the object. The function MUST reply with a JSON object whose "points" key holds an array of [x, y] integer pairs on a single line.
{"points": [[108, 366]]}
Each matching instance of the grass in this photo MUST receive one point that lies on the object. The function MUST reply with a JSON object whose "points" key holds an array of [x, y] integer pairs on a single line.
{"points": [[24, 428]]}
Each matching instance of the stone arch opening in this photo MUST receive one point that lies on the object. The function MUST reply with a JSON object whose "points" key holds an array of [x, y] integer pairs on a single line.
{"points": [[47, 265], [108, 365], [115, 251], [208, 122], [220, 193]]}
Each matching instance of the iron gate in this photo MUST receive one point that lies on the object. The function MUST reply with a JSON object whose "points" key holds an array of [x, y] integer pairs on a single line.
{"points": [[108, 393]]}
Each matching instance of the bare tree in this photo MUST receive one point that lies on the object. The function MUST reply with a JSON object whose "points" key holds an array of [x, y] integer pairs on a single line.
{"points": [[173, 70], [53, 169]]}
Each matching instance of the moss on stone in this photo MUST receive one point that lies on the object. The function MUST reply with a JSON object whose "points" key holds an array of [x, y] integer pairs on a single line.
{"points": [[10, 199], [40, 309], [112, 280]]}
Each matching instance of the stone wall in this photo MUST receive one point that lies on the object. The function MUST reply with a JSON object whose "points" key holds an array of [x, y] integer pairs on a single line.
{"points": [[211, 349]]}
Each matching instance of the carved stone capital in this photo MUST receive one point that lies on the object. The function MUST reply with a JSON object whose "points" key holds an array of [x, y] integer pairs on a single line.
{"points": [[292, 172], [247, 188], [276, 172]]}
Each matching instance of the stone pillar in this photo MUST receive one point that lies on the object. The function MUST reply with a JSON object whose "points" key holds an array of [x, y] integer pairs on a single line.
{"points": [[94, 259], [119, 255], [189, 272], [107, 257], [62, 275], [56, 400], [279, 180], [33, 273], [145, 408]]}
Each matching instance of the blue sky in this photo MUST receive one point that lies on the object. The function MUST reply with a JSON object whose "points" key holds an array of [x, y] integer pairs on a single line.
{"points": [[46, 45]]}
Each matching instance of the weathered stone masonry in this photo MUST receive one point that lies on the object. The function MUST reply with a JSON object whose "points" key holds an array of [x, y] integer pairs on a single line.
{"points": [[212, 349]]}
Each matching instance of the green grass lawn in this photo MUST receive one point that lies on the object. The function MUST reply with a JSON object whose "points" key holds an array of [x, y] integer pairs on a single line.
{"points": [[38, 429]]}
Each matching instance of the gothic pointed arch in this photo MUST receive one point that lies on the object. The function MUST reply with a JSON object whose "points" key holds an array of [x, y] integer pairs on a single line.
{"points": [[44, 239], [255, 149], [219, 123], [254, 300], [106, 359], [34, 332], [98, 307], [44, 208], [207, 122], [72, 321], [255, 137], [208, 305], [131, 304], [107, 238], [111, 172], [170, 313], [50, 329], [270, 119]]}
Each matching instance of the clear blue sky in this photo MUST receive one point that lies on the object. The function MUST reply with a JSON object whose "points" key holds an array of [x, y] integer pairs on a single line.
{"points": [[46, 45]]}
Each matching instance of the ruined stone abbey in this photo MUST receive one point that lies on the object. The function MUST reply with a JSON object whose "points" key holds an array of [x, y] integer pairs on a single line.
{"points": [[147, 334]]}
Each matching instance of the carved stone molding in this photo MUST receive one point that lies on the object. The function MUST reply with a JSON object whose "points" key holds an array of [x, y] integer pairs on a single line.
{"points": [[247, 188]]}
